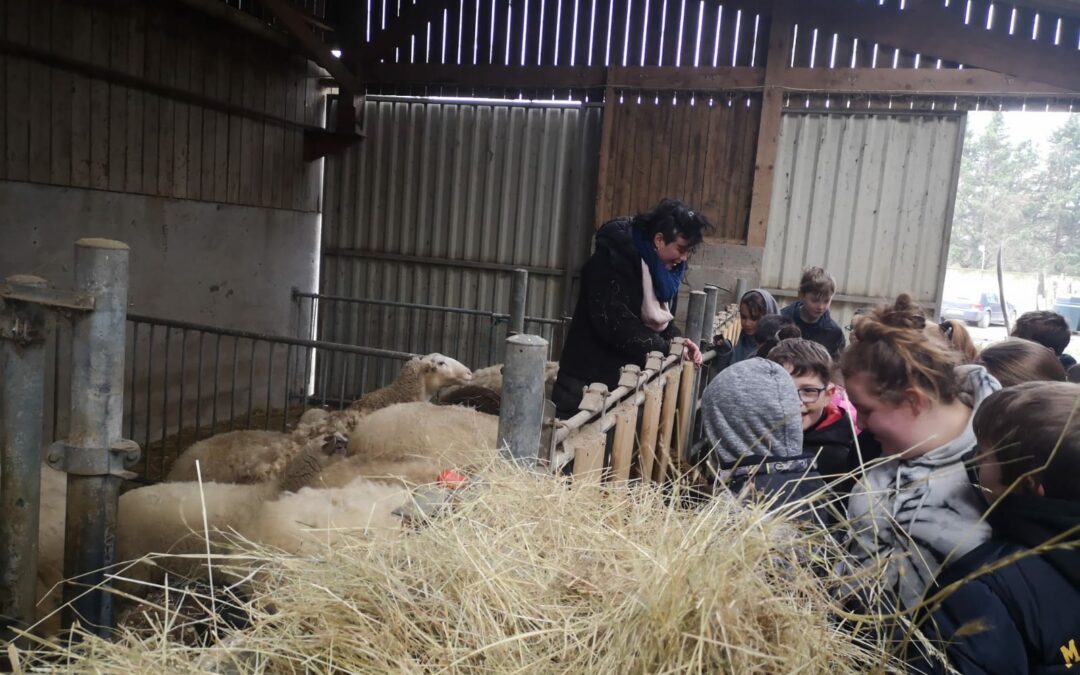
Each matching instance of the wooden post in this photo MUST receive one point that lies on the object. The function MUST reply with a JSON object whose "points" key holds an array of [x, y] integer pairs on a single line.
{"points": [[772, 103], [667, 422], [622, 450], [589, 446], [687, 389], [650, 425]]}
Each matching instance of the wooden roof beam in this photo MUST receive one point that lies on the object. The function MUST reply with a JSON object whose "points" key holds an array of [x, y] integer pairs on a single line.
{"points": [[928, 29], [297, 24]]}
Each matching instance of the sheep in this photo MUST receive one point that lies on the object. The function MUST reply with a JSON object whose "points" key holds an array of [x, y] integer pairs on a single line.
{"points": [[168, 518], [419, 380], [412, 443], [246, 456], [484, 391]]}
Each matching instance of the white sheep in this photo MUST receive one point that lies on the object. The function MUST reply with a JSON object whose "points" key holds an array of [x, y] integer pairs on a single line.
{"points": [[413, 443], [420, 378], [484, 391]]}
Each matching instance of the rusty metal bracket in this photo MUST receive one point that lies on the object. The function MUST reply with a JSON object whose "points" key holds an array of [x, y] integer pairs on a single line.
{"points": [[57, 298], [114, 460]]}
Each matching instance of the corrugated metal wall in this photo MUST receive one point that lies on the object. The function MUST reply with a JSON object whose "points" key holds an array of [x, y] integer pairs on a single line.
{"points": [[438, 205], [869, 197]]}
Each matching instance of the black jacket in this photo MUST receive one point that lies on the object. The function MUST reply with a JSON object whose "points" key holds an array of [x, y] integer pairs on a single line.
{"points": [[1030, 608], [832, 441], [606, 332], [824, 331]]}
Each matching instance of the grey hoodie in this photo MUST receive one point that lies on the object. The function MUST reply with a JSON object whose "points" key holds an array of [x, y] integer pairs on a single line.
{"points": [[747, 347], [918, 514], [752, 408]]}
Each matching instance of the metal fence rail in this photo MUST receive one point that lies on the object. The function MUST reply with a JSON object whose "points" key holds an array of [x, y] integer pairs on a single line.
{"points": [[184, 382], [473, 336]]}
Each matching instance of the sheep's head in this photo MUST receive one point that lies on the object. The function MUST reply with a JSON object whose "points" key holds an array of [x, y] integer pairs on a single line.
{"points": [[441, 370]]}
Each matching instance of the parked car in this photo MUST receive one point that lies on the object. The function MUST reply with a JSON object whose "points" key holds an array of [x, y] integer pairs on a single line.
{"points": [[981, 311], [1069, 307]]}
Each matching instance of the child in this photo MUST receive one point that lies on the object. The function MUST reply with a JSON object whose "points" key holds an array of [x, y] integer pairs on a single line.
{"points": [[752, 421], [752, 306], [1026, 604], [1016, 360], [771, 330], [811, 310], [1048, 329], [827, 430], [917, 506]]}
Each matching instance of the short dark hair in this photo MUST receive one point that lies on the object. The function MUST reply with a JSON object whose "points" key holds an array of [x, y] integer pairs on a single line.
{"points": [[1016, 360], [673, 218], [754, 303], [805, 357], [772, 329], [1047, 328], [1034, 428], [817, 281]]}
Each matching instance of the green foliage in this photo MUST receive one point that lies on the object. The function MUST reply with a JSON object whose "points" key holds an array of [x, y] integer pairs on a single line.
{"points": [[1009, 194]]}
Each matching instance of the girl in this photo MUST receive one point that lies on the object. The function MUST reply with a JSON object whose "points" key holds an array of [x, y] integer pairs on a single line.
{"points": [[753, 305], [916, 508]]}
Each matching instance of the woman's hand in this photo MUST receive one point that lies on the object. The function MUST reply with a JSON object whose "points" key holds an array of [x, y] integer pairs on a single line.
{"points": [[692, 352]]}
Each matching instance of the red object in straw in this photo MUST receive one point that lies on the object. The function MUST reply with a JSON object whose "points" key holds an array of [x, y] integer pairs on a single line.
{"points": [[452, 479]]}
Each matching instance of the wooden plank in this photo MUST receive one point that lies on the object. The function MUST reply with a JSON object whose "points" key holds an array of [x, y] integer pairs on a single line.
{"points": [[181, 112], [668, 47], [622, 449], [133, 162], [235, 145], [694, 12], [910, 81], [251, 139], [196, 120], [932, 29], [516, 31], [79, 98], [100, 31], [484, 50], [610, 52], [651, 35], [769, 128], [697, 138], [118, 111], [223, 128], [294, 21], [668, 411], [603, 194], [650, 427], [744, 49], [40, 105], [687, 391], [579, 53], [167, 119], [588, 446], [3, 111], [61, 117], [693, 79], [152, 111]]}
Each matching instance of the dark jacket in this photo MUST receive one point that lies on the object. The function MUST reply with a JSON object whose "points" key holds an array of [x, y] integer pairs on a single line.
{"points": [[1029, 609], [824, 331], [832, 441], [606, 332]]}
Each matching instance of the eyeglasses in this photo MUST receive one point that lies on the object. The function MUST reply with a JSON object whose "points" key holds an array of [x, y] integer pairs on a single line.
{"points": [[810, 394]]}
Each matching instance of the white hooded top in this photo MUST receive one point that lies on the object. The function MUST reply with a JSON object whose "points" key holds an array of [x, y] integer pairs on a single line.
{"points": [[918, 514]]}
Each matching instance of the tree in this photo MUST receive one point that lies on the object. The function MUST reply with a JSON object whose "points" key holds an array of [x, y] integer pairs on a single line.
{"points": [[1059, 200]]}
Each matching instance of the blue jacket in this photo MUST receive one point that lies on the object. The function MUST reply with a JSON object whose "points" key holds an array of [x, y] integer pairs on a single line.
{"points": [[824, 331], [1023, 617]]}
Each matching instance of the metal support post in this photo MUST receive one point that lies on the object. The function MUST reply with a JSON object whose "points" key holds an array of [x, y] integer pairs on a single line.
{"points": [[695, 314], [95, 455], [519, 292], [22, 401], [741, 287], [521, 412], [710, 315]]}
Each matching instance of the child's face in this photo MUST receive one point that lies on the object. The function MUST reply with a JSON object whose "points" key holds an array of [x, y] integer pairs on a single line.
{"points": [[749, 324], [895, 426], [814, 305], [814, 396], [992, 479]]}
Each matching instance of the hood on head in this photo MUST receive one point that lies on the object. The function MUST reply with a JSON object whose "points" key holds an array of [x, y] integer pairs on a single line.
{"points": [[771, 306], [752, 408]]}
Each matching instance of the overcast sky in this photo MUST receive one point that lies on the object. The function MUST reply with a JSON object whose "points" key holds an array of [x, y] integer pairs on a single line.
{"points": [[1028, 126]]}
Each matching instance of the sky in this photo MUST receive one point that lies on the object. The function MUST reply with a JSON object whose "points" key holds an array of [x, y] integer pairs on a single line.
{"points": [[1027, 126]]}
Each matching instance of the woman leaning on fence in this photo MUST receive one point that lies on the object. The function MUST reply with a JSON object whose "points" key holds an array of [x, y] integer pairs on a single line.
{"points": [[628, 291]]}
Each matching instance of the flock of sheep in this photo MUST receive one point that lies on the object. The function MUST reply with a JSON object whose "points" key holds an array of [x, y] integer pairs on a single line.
{"points": [[345, 471]]}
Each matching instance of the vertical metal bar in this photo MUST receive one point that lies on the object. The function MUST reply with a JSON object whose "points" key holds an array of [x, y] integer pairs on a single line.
{"points": [[519, 290], [521, 410], [217, 372], [341, 393], [198, 389], [232, 385], [695, 314], [741, 287], [97, 405], [134, 370], [307, 373], [164, 405], [22, 406], [269, 380], [149, 379], [251, 383], [183, 373], [288, 374], [709, 324]]}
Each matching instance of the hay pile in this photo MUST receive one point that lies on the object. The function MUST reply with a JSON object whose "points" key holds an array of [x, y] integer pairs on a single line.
{"points": [[527, 574]]}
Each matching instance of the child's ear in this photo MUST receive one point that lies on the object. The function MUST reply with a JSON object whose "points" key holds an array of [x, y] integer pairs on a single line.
{"points": [[1032, 486], [918, 401], [830, 390]]}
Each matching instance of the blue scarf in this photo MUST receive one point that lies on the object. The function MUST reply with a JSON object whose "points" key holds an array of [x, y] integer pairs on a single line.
{"points": [[665, 282]]}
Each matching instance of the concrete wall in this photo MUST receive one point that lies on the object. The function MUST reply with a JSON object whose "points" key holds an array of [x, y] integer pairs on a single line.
{"points": [[218, 264]]}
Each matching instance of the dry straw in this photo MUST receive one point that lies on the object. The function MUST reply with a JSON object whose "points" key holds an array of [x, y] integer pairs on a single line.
{"points": [[526, 574]]}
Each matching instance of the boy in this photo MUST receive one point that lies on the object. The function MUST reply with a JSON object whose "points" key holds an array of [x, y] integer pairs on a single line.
{"points": [[827, 429], [811, 311], [1048, 329], [1014, 601]]}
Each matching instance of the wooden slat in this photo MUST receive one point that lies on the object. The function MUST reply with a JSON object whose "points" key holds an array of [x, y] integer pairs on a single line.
{"points": [[3, 111], [118, 111], [453, 26], [668, 411], [668, 49], [589, 446], [516, 30], [250, 144], [694, 11], [234, 155], [151, 140], [224, 128], [181, 111], [745, 48], [294, 21], [686, 405], [909, 81], [484, 52], [469, 31], [39, 102], [99, 101], [61, 114], [196, 115], [133, 162], [650, 427], [622, 449], [167, 119]]}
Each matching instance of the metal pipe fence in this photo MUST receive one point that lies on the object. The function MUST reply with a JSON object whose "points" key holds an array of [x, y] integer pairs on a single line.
{"points": [[184, 382], [475, 337]]}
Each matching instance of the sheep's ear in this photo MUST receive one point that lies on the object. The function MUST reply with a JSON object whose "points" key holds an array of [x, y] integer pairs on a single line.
{"points": [[431, 367]]}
